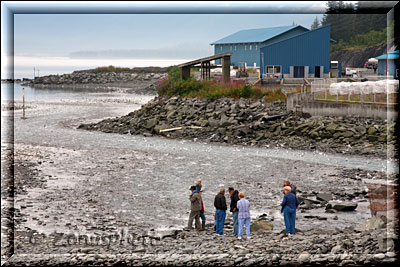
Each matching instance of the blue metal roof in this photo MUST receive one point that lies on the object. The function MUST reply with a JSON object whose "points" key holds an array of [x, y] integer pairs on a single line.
{"points": [[390, 56], [255, 35]]}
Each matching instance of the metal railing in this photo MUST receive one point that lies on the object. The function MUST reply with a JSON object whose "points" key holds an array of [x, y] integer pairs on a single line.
{"points": [[321, 84], [373, 98], [320, 92]]}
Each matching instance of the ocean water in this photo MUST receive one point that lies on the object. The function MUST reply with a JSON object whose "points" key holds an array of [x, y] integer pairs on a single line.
{"points": [[24, 66], [11, 91]]}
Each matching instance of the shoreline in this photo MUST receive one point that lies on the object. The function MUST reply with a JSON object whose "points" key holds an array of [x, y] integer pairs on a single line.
{"points": [[336, 245], [83, 182]]}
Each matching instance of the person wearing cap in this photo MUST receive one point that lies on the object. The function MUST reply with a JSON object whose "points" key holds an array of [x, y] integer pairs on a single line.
{"points": [[244, 215], [292, 186], [233, 208], [289, 206], [195, 208], [220, 206], [198, 185]]}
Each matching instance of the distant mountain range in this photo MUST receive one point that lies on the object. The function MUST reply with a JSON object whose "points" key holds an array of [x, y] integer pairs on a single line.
{"points": [[144, 54]]}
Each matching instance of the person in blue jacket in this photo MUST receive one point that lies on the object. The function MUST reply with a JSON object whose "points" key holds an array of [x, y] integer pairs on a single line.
{"points": [[289, 206]]}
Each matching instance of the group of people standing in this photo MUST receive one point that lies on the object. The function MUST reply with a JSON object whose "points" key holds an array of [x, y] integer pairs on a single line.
{"points": [[240, 209]]}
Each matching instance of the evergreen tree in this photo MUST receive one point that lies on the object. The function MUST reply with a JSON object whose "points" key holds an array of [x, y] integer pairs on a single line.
{"points": [[315, 24], [346, 21]]}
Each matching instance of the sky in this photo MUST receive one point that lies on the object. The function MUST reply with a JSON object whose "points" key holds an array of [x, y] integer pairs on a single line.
{"points": [[63, 34], [77, 41]]}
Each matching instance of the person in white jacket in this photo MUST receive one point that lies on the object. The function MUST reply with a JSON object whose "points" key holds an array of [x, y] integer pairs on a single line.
{"points": [[243, 206]]}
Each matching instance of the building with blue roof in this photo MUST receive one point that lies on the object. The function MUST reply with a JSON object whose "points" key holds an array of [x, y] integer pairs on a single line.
{"points": [[301, 56], [388, 61], [245, 45]]}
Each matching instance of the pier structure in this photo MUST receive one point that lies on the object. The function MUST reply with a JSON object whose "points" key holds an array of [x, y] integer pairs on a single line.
{"points": [[205, 65]]}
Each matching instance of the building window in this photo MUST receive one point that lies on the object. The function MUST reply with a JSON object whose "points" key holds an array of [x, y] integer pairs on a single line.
{"points": [[256, 47], [235, 47], [231, 48], [250, 47], [221, 47], [273, 69], [245, 47]]}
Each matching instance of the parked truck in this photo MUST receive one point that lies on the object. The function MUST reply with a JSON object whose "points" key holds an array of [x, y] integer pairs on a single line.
{"points": [[336, 69], [372, 63]]}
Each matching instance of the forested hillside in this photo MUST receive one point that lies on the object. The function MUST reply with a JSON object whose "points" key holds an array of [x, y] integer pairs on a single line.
{"points": [[352, 27], [355, 58]]}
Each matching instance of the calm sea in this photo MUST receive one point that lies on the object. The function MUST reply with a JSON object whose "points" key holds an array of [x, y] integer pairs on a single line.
{"points": [[11, 91]]}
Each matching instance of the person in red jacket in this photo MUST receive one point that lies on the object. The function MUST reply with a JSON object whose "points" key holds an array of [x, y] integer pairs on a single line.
{"points": [[202, 216]]}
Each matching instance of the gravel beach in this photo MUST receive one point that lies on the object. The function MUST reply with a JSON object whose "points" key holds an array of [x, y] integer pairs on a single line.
{"points": [[90, 198]]}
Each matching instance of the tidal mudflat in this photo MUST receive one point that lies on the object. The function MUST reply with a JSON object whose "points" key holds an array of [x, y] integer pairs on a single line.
{"points": [[91, 197]]}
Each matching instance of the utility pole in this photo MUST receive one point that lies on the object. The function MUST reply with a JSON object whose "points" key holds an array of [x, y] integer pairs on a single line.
{"points": [[23, 103]]}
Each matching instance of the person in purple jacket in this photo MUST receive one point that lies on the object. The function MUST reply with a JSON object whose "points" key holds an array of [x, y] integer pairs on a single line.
{"points": [[243, 206], [289, 206]]}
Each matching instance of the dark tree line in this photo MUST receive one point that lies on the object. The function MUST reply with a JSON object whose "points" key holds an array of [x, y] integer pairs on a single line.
{"points": [[348, 20]]}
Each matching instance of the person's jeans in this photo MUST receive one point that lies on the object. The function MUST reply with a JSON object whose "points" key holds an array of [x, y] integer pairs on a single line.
{"points": [[194, 215], [235, 215], [202, 216], [289, 215], [221, 214], [242, 222]]}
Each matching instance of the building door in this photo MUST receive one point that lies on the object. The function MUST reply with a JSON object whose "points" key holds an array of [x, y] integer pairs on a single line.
{"points": [[298, 72], [317, 72]]}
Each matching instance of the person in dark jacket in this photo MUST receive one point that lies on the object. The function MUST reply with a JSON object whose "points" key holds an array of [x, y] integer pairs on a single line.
{"points": [[195, 208], [292, 186], [220, 206], [233, 208], [289, 206]]}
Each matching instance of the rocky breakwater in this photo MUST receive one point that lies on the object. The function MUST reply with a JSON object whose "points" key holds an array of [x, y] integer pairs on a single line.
{"points": [[110, 81], [252, 122]]}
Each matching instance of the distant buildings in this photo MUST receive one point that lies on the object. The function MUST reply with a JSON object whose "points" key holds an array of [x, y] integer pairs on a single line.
{"points": [[388, 61], [290, 51]]}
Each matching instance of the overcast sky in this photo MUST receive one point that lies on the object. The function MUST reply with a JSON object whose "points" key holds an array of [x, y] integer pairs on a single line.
{"points": [[56, 41], [62, 34]]}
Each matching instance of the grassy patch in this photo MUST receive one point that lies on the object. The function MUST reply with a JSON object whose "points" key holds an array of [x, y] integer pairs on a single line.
{"points": [[173, 86]]}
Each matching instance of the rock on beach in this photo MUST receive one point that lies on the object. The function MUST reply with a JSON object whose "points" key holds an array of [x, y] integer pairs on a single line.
{"points": [[252, 122]]}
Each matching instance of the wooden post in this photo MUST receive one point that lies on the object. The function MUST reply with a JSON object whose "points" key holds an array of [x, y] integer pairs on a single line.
{"points": [[23, 103], [226, 69], [185, 72]]}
